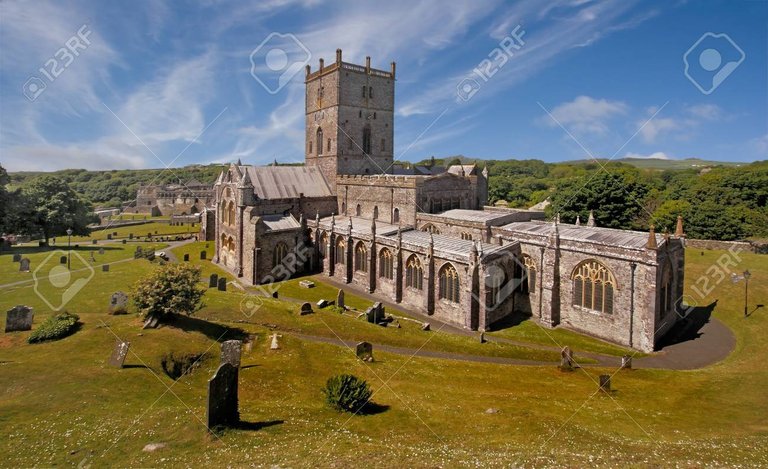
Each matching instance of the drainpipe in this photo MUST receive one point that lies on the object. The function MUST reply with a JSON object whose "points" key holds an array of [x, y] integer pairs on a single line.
{"points": [[632, 267]]}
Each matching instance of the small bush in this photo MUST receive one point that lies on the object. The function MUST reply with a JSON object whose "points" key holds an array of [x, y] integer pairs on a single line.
{"points": [[346, 393], [55, 328]]}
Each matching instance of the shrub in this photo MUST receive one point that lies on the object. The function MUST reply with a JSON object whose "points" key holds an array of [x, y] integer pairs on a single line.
{"points": [[55, 328], [346, 393], [169, 289]]}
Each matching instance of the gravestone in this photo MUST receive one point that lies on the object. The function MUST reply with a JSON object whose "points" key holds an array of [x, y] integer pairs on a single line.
{"points": [[213, 280], [566, 358], [222, 284], [125, 241], [95, 241], [118, 302], [130, 235], [16, 257], [425, 326], [101, 251], [19, 318], [114, 233], [105, 268], [340, 299], [375, 313], [117, 359], [364, 351], [605, 383], [307, 284], [306, 308], [109, 236], [482, 337], [24, 265], [626, 362], [63, 260], [231, 352], [275, 345], [151, 322], [274, 294], [186, 257], [222, 397], [322, 303], [202, 255]]}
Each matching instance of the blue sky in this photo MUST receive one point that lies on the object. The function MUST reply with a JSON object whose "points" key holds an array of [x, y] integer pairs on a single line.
{"points": [[599, 79]]}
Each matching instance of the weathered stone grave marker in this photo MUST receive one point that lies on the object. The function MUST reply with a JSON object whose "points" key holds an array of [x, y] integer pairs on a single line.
{"points": [[118, 302], [306, 308], [101, 251], [125, 242], [626, 362], [222, 406], [322, 303], [203, 255], [307, 284], [364, 351], [105, 268], [375, 313], [231, 351], [566, 358], [605, 383], [425, 327], [19, 318], [186, 257], [17, 258], [222, 284], [95, 241], [275, 345], [109, 236], [340, 299], [63, 260], [117, 359], [24, 264], [213, 281]]}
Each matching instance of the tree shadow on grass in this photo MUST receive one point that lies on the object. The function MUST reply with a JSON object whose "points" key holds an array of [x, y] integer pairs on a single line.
{"points": [[688, 328], [255, 426], [212, 330], [511, 320], [372, 408]]}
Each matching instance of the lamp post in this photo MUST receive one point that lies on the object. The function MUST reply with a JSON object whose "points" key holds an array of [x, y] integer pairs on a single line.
{"points": [[69, 248], [747, 274]]}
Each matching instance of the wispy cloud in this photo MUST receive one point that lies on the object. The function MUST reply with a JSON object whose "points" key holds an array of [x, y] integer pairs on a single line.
{"points": [[585, 114]]}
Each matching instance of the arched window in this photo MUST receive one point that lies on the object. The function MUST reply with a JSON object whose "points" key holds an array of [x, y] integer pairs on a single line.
{"points": [[430, 228], [449, 283], [328, 148], [323, 244], [497, 278], [666, 303], [386, 269], [227, 192], [363, 91], [231, 243], [358, 210], [281, 250], [367, 140], [414, 274], [223, 241], [466, 235], [376, 212], [319, 140], [396, 215], [231, 213], [370, 91], [341, 251], [593, 286], [525, 275], [383, 146], [361, 257]]}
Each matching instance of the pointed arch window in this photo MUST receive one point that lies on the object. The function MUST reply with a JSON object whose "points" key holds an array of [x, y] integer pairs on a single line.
{"points": [[593, 287], [396, 215], [341, 251], [231, 213], [386, 265], [281, 250], [361, 257], [367, 140], [449, 283], [358, 210], [323, 244], [666, 303], [376, 212], [414, 273], [430, 228], [319, 140]]}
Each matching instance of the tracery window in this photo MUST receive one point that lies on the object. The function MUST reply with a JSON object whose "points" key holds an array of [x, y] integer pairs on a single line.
{"points": [[593, 287]]}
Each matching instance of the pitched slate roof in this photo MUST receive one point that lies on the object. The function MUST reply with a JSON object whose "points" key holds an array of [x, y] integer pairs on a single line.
{"points": [[280, 182], [593, 234], [280, 222]]}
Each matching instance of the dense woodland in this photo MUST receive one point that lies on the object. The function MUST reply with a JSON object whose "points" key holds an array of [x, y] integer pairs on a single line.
{"points": [[717, 201]]}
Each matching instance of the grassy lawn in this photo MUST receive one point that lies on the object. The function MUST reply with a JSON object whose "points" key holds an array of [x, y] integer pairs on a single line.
{"points": [[69, 408], [139, 231]]}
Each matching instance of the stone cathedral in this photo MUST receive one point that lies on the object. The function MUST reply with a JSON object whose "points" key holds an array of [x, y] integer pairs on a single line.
{"points": [[423, 237]]}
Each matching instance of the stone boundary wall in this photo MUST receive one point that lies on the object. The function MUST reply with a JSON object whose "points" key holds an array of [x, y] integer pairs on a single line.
{"points": [[709, 244]]}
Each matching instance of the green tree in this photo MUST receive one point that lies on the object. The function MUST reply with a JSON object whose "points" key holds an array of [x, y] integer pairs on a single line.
{"points": [[170, 289], [48, 206]]}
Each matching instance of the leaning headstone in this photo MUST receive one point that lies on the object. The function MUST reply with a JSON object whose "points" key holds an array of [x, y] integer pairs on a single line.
{"points": [[307, 284], [105, 268], [118, 302], [566, 357], [626, 362], [364, 351], [425, 326], [95, 241], [605, 383], [306, 308], [340, 299], [151, 322], [222, 397], [231, 352], [24, 265], [186, 257], [101, 251], [222, 284], [322, 303], [63, 260], [213, 280], [117, 359], [17, 257], [125, 241], [19, 318], [202, 255]]}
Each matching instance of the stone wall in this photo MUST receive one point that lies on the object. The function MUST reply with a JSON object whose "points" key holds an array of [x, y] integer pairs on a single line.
{"points": [[711, 244]]}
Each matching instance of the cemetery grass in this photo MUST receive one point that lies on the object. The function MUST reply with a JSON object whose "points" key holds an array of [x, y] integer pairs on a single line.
{"points": [[61, 405], [139, 231]]}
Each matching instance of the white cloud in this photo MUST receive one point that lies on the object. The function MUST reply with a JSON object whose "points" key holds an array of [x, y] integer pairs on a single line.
{"points": [[659, 155], [651, 129], [705, 111], [585, 114]]}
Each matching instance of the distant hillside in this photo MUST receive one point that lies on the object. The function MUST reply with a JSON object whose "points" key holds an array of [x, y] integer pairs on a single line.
{"points": [[662, 164]]}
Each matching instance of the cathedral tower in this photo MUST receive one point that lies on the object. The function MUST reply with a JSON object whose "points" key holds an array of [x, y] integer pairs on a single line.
{"points": [[349, 118]]}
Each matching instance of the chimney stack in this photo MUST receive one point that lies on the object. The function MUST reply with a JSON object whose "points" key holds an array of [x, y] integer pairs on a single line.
{"points": [[368, 64], [322, 64], [338, 56], [393, 70]]}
